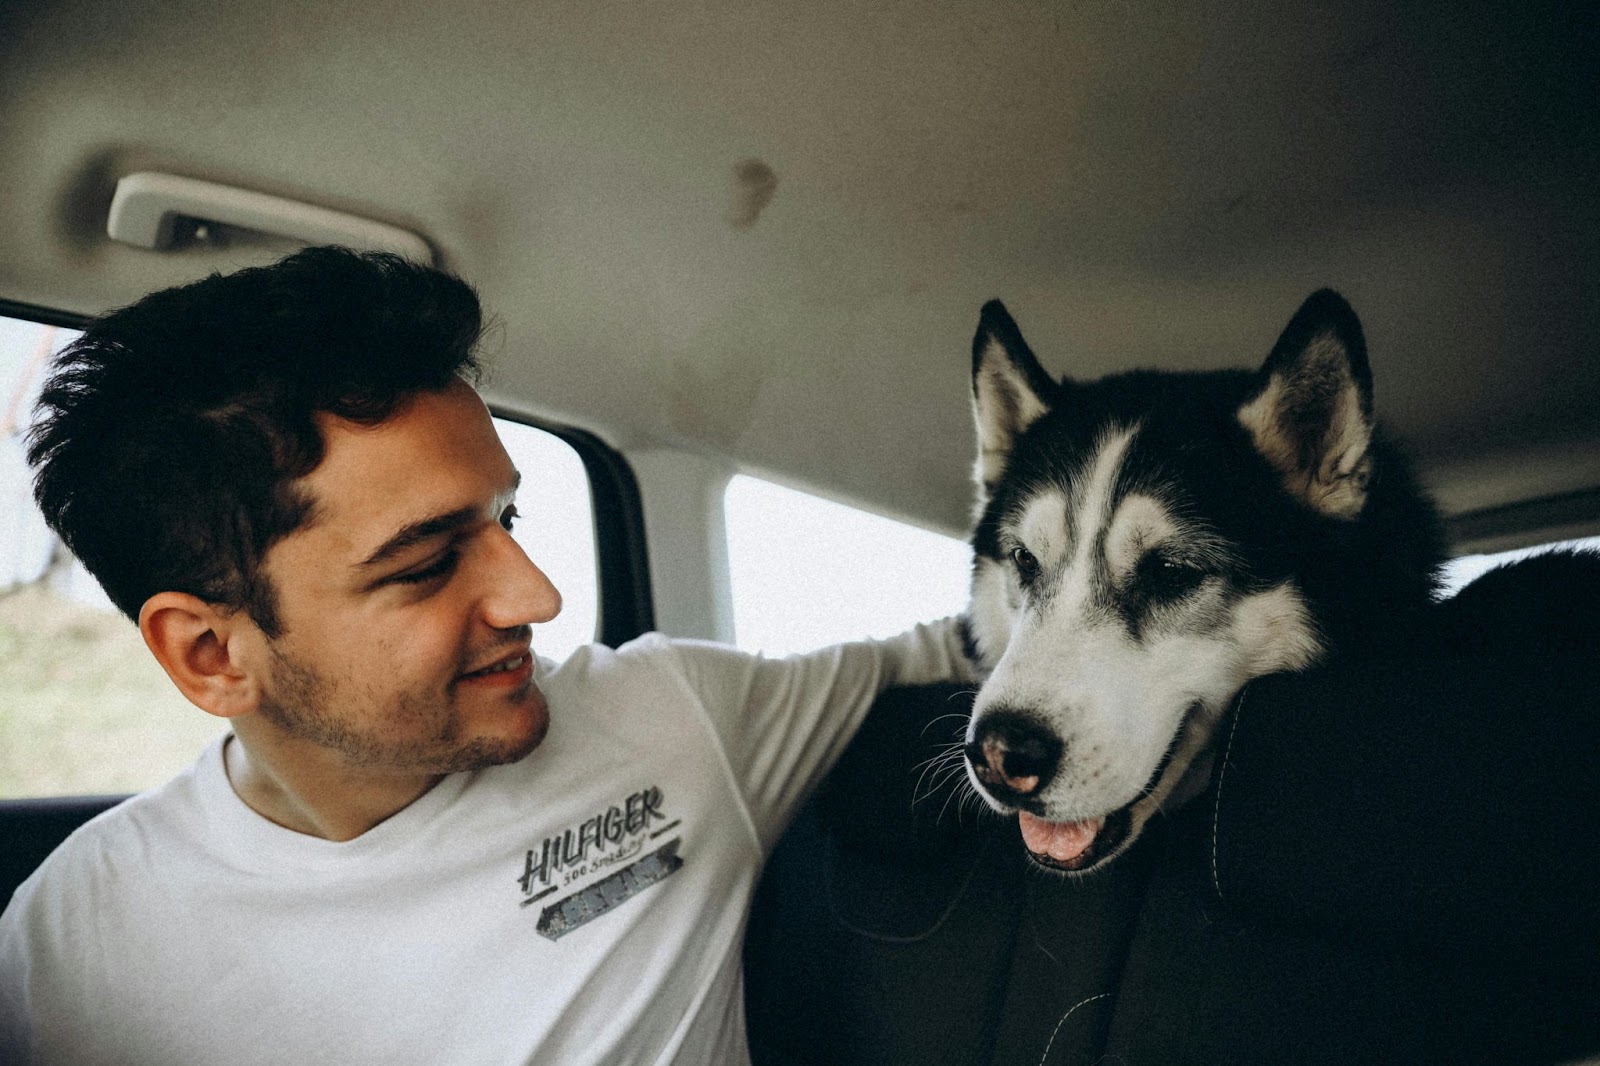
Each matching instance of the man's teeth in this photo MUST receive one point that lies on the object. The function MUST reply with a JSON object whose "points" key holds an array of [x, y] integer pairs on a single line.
{"points": [[500, 668]]}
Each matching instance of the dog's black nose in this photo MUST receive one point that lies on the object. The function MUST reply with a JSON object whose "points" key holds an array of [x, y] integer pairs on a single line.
{"points": [[1012, 754]]}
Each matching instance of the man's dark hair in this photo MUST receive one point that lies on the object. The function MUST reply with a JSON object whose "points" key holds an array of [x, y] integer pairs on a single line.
{"points": [[171, 434]]}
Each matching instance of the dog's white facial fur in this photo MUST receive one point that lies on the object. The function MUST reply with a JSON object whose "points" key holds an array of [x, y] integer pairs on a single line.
{"points": [[1120, 702]]}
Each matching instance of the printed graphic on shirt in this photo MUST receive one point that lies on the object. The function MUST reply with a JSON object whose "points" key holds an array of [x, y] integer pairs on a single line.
{"points": [[619, 845]]}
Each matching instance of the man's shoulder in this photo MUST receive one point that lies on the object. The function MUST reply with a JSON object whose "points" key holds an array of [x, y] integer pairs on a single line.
{"points": [[597, 662], [109, 846], [644, 690]]}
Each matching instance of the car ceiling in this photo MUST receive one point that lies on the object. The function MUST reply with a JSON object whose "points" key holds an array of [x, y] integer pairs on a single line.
{"points": [[763, 231]]}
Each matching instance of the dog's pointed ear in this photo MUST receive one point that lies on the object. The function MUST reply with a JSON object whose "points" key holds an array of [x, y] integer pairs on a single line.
{"points": [[1311, 414], [1010, 390]]}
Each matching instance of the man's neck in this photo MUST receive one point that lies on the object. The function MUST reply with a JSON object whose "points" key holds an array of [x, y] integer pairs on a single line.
{"points": [[318, 797]]}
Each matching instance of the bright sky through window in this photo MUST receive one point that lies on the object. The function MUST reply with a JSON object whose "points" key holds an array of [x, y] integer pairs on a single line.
{"points": [[806, 572]]}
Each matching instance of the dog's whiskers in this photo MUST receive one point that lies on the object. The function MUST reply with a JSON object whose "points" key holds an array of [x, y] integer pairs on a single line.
{"points": [[941, 768], [944, 753], [954, 792], [963, 716]]}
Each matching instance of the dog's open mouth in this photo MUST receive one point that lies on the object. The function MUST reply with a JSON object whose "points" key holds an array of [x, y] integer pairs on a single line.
{"points": [[1076, 846], [1073, 846]]}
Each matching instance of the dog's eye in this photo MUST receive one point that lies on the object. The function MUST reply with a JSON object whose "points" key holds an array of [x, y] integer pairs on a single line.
{"points": [[1167, 578], [1027, 566]]}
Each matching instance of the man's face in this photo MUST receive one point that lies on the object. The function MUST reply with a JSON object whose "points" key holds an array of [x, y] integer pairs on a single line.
{"points": [[405, 602]]}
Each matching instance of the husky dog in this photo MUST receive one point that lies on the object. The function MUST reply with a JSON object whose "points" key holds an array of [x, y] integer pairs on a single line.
{"points": [[1148, 543]]}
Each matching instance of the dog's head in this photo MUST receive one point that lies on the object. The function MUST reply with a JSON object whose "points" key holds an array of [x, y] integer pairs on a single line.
{"points": [[1135, 565]]}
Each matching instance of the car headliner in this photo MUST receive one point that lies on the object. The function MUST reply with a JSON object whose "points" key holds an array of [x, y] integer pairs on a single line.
{"points": [[763, 231]]}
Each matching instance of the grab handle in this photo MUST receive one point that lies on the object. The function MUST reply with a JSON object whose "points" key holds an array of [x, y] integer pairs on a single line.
{"points": [[147, 205]]}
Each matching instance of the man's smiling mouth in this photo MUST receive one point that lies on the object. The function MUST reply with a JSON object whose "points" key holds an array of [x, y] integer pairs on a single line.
{"points": [[504, 666]]}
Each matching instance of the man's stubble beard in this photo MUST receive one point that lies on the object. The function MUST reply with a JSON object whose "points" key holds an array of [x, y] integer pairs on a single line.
{"points": [[300, 705]]}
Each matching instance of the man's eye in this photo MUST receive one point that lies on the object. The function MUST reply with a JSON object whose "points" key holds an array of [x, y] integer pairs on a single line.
{"points": [[508, 517], [440, 567]]}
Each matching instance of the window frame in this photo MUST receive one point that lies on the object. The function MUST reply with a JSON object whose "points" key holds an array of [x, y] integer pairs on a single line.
{"points": [[622, 566], [1487, 530], [44, 316]]}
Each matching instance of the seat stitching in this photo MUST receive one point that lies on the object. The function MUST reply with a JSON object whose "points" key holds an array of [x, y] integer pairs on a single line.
{"points": [[1222, 776], [1064, 1017]]}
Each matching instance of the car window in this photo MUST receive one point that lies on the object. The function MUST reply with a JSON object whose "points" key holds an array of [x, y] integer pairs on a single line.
{"points": [[805, 571], [555, 526], [1464, 569], [84, 708]]}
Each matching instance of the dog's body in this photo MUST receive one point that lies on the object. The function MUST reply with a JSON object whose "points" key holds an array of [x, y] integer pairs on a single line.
{"points": [[1150, 542]]}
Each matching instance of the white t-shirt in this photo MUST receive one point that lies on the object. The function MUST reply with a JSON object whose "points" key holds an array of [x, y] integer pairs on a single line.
{"points": [[585, 905]]}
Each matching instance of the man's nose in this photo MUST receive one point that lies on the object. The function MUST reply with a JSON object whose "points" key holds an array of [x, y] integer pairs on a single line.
{"points": [[518, 592]]}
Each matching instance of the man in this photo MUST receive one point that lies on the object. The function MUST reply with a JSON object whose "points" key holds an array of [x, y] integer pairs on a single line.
{"points": [[419, 842]]}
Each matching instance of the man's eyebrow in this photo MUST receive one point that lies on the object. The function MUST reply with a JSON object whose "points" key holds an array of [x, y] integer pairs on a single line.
{"points": [[425, 528], [417, 532]]}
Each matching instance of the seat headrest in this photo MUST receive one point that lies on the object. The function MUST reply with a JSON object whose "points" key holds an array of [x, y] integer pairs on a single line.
{"points": [[1444, 800]]}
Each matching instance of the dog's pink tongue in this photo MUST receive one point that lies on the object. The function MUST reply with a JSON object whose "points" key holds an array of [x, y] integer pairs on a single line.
{"points": [[1062, 841]]}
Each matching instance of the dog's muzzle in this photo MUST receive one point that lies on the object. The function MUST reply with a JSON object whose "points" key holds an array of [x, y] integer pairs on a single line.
{"points": [[1012, 756]]}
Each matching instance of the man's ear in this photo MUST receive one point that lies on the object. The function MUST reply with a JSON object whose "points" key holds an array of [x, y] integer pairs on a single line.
{"points": [[1010, 391], [1311, 415], [199, 645]]}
